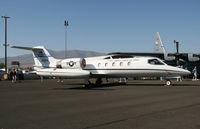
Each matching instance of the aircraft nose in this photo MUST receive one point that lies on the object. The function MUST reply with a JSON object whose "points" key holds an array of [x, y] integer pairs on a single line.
{"points": [[185, 72]]}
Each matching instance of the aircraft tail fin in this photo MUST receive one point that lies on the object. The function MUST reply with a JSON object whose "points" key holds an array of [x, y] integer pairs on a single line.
{"points": [[158, 44], [41, 56]]}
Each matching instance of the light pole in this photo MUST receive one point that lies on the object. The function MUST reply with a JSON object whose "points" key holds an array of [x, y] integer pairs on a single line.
{"points": [[66, 24], [5, 17]]}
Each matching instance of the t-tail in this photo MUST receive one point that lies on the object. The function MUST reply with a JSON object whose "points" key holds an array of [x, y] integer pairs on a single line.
{"points": [[41, 56], [160, 48], [158, 44]]}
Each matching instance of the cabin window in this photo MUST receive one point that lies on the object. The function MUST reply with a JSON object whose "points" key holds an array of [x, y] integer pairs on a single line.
{"points": [[121, 63], [106, 64], [99, 64], [129, 63], [155, 62], [113, 64]]}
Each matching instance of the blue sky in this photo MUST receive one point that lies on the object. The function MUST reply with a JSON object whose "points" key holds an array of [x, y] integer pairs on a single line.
{"points": [[101, 25]]}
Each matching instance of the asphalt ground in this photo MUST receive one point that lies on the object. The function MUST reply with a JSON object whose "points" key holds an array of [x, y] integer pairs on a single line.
{"points": [[144, 104]]}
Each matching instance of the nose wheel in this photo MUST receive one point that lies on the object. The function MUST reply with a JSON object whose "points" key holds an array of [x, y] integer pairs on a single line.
{"points": [[168, 83]]}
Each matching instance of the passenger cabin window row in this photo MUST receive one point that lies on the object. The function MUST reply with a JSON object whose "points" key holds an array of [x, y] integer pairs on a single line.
{"points": [[114, 64]]}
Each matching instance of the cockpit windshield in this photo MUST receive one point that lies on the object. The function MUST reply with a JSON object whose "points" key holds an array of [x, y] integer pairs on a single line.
{"points": [[155, 62]]}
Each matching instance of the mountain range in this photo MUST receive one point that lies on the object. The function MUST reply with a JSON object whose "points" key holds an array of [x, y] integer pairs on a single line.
{"points": [[26, 60]]}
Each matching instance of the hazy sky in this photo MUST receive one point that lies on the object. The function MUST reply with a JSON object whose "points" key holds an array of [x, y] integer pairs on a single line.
{"points": [[101, 25]]}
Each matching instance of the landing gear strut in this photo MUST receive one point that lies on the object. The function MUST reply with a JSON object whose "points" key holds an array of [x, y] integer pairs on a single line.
{"points": [[99, 81], [87, 83]]}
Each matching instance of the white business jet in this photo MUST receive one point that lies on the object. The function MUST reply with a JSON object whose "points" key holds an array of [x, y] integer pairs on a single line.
{"points": [[109, 66]]}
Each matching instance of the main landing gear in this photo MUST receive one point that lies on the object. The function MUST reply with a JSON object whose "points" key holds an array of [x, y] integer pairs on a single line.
{"points": [[168, 83], [88, 84], [99, 81]]}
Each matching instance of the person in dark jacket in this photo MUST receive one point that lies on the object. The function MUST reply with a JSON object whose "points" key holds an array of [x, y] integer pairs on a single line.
{"points": [[13, 75]]}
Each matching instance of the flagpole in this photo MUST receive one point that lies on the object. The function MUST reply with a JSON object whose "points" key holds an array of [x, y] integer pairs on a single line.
{"points": [[5, 17], [66, 24]]}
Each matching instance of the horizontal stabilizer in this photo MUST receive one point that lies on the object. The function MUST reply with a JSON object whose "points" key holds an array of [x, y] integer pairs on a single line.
{"points": [[26, 48], [42, 58]]}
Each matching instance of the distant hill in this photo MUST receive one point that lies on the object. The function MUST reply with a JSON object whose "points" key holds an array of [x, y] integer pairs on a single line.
{"points": [[27, 59]]}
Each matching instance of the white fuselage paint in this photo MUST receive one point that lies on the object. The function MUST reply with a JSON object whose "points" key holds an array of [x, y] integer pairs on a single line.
{"points": [[123, 67], [131, 67]]}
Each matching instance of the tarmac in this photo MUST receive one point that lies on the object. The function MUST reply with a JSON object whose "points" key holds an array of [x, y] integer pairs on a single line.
{"points": [[141, 104]]}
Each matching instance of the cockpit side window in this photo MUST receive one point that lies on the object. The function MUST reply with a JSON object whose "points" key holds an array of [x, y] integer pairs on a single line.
{"points": [[155, 62]]}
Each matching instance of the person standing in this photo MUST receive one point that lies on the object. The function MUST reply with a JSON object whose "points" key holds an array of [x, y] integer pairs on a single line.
{"points": [[13, 75], [195, 73]]}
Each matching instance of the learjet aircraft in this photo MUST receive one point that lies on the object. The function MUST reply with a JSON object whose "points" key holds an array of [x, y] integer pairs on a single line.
{"points": [[109, 66]]}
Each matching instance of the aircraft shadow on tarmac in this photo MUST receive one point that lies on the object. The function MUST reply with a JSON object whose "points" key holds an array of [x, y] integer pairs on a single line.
{"points": [[91, 87], [79, 86], [152, 85], [187, 84]]}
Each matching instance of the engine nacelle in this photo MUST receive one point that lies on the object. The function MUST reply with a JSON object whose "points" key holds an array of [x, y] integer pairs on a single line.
{"points": [[74, 63], [192, 58], [67, 68]]}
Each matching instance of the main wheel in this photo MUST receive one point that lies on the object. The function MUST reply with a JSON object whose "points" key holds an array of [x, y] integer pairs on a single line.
{"points": [[87, 83], [168, 83]]}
